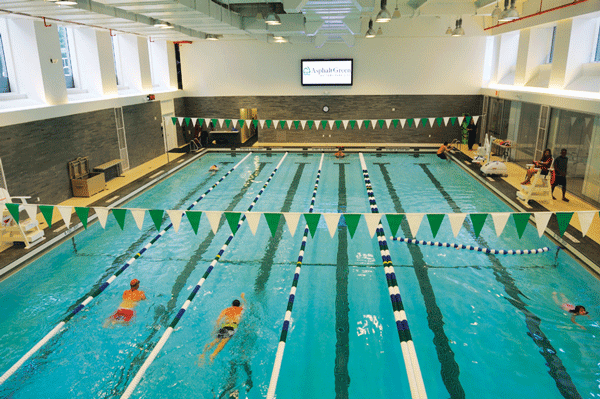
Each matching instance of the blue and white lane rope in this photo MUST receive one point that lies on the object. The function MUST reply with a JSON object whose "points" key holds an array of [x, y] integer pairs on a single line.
{"points": [[100, 289], [472, 248], [288, 313], [163, 340], [413, 370]]}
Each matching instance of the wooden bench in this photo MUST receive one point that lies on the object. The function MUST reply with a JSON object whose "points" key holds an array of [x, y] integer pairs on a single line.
{"points": [[110, 169]]}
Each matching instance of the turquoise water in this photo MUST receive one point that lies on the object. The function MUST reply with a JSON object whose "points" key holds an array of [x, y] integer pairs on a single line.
{"points": [[483, 326]]}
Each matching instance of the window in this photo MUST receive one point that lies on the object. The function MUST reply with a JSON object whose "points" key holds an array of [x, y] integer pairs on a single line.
{"points": [[597, 56], [67, 61], [551, 55], [4, 82], [117, 59]]}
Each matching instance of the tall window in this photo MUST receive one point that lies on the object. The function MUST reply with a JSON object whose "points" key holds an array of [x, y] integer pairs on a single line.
{"points": [[4, 83], [117, 59], [551, 55], [66, 57]]}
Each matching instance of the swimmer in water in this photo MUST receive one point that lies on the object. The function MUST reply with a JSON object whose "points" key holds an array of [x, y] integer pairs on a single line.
{"points": [[575, 311], [125, 312], [225, 327], [213, 168]]}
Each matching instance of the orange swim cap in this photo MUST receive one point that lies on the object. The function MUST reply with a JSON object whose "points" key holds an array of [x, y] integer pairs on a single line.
{"points": [[133, 282]]}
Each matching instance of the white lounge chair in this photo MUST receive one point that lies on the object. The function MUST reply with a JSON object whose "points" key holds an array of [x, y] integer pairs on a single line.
{"points": [[26, 231], [540, 188]]}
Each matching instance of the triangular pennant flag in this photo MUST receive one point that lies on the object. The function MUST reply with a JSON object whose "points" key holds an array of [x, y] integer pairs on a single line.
{"points": [[394, 220], [374, 123], [248, 122], [460, 120], [289, 124], [31, 210], [324, 124], [456, 222], [156, 215], [282, 124], [102, 214], [82, 214], [310, 124], [138, 216], [359, 123], [262, 123], [500, 220], [563, 219], [352, 124], [273, 222], [431, 121], [228, 123], [187, 121], [475, 119], [296, 124], [180, 119], [381, 123], [468, 119], [255, 123], [424, 122], [221, 122], [585, 220], [175, 216], [13, 209], [352, 220], [410, 122], [478, 220], [367, 123], [332, 220], [345, 122], [268, 122], [194, 218], [312, 220], [395, 123], [119, 215], [388, 122], [292, 219], [174, 120], [47, 212], [541, 221], [372, 220], [275, 124], [214, 121], [65, 212], [521, 220], [435, 221], [453, 120], [200, 122], [303, 123], [240, 122], [214, 217], [338, 124], [439, 122], [402, 122], [233, 219], [446, 119], [253, 218], [414, 221]]}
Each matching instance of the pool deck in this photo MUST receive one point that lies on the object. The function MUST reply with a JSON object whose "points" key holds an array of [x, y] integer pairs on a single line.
{"points": [[12, 258]]}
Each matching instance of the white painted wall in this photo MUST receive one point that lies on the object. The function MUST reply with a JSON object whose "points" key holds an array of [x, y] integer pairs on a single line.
{"points": [[416, 65], [507, 59], [53, 76]]}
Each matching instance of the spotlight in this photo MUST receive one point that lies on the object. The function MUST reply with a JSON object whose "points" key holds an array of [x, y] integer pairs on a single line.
{"points": [[370, 32]]}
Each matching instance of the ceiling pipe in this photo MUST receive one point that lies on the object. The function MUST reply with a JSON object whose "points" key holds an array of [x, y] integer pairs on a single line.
{"points": [[537, 13]]}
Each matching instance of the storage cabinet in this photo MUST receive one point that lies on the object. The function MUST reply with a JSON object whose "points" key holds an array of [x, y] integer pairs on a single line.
{"points": [[84, 183]]}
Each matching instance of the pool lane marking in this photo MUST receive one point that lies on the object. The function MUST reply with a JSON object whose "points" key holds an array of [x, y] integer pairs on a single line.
{"points": [[140, 374], [472, 248], [413, 370], [288, 313], [556, 369], [100, 289]]}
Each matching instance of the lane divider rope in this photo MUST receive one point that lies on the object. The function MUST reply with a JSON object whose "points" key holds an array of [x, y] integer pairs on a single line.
{"points": [[140, 374], [288, 313], [413, 371], [100, 289], [472, 248]]}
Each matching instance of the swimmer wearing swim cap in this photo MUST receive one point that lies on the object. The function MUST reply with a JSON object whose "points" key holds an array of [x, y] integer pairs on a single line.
{"points": [[225, 327], [125, 312]]}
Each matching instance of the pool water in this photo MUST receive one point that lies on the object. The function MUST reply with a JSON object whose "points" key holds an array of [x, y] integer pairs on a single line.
{"points": [[483, 326]]}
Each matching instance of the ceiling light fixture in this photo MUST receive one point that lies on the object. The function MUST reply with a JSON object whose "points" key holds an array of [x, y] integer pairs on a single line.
{"points": [[167, 26], [396, 13], [66, 2], [279, 39], [370, 32], [509, 14], [383, 15], [459, 31], [449, 30], [159, 24], [379, 31], [210, 36], [496, 13], [273, 19]]}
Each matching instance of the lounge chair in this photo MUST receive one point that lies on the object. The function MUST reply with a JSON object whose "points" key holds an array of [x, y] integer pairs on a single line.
{"points": [[27, 230], [539, 189]]}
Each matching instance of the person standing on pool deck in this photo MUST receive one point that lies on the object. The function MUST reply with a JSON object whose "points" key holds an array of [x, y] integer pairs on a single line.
{"points": [[226, 324], [575, 311], [560, 168], [131, 298]]}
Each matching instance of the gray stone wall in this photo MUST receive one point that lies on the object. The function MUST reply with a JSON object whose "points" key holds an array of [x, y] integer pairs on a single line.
{"points": [[142, 128]]}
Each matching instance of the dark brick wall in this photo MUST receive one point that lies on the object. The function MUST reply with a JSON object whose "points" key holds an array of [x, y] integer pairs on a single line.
{"points": [[342, 107], [142, 129], [35, 154]]}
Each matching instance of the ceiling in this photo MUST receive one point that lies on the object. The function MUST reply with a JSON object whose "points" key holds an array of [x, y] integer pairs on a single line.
{"points": [[316, 21]]}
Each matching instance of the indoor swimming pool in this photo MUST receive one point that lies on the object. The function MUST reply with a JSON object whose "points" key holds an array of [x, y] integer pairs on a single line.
{"points": [[483, 325]]}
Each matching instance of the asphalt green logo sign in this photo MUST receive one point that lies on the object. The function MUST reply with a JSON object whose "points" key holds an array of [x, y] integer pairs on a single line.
{"points": [[306, 71]]}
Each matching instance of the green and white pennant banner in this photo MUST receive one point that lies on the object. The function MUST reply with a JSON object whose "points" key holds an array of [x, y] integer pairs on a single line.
{"points": [[372, 220], [500, 220], [541, 221], [332, 220], [585, 220], [102, 214], [414, 222], [175, 217], [253, 218], [65, 213], [214, 217], [456, 222], [292, 219]]}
